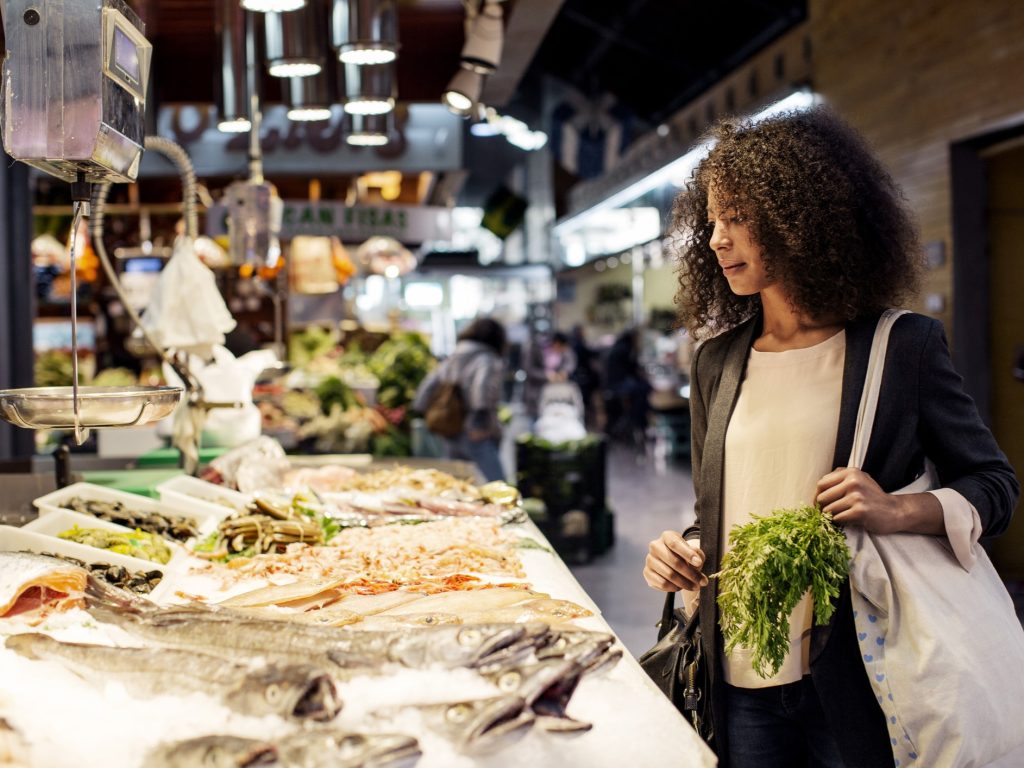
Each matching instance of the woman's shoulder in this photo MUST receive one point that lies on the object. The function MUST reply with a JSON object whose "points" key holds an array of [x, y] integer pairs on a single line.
{"points": [[716, 347]]}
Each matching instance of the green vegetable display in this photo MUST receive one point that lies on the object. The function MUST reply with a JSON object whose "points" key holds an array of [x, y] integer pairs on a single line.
{"points": [[304, 346], [333, 391], [400, 364], [773, 562]]}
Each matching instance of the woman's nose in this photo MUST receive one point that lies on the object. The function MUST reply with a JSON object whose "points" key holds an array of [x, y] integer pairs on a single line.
{"points": [[718, 236]]}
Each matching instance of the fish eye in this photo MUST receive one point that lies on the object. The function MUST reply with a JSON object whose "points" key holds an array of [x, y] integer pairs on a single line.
{"points": [[273, 693], [509, 681], [469, 637], [457, 713]]}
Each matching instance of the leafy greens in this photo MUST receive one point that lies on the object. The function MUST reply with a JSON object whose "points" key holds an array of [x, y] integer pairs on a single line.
{"points": [[773, 562]]}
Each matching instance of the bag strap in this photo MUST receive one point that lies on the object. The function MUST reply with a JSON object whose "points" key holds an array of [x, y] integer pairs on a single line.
{"points": [[667, 614], [872, 385]]}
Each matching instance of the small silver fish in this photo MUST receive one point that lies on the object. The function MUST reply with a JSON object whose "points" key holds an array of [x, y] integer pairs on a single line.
{"points": [[212, 752], [301, 692]]}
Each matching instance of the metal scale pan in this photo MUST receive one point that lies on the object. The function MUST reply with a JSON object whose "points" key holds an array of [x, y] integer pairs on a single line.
{"points": [[54, 407]]}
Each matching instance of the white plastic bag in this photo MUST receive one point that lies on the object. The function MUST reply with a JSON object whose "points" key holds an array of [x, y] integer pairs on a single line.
{"points": [[186, 311]]}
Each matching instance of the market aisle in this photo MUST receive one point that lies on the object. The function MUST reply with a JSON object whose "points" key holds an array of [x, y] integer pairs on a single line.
{"points": [[647, 499]]}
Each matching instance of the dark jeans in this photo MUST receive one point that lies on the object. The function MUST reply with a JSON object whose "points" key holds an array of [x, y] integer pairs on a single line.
{"points": [[779, 727]]}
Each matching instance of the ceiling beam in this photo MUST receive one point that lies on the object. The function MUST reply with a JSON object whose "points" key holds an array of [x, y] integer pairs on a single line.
{"points": [[528, 25]]}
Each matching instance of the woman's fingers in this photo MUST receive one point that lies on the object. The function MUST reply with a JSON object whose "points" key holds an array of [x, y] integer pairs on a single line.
{"points": [[673, 564]]}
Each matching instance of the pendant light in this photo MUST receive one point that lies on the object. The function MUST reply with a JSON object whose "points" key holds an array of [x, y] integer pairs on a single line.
{"points": [[368, 130], [308, 99], [273, 6], [368, 89], [296, 45], [365, 31], [236, 40]]}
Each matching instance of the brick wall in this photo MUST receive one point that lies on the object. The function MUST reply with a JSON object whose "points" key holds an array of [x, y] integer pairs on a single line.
{"points": [[915, 76]]}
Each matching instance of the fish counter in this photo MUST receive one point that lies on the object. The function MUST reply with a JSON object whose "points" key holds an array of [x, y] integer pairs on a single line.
{"points": [[326, 618]]}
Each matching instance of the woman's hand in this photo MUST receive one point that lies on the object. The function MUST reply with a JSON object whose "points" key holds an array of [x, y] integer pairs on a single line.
{"points": [[674, 564], [852, 496]]}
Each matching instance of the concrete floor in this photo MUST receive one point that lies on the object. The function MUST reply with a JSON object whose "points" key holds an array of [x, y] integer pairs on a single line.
{"points": [[648, 496]]}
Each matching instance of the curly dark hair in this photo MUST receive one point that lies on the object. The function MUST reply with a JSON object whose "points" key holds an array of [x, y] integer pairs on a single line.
{"points": [[832, 224]]}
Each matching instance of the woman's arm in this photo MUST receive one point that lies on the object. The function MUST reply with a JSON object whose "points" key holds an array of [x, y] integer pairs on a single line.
{"points": [[956, 440]]}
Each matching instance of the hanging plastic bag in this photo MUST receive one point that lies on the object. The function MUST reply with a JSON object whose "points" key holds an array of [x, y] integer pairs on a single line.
{"points": [[187, 312]]}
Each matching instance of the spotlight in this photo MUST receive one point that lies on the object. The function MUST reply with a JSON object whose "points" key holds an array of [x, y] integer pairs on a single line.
{"points": [[308, 99], [463, 92], [482, 49], [365, 32]]}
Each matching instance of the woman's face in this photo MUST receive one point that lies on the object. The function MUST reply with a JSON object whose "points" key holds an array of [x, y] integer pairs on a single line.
{"points": [[739, 257]]}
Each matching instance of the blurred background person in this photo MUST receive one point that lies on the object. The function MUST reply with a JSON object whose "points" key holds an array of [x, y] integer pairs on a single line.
{"points": [[626, 390], [478, 366]]}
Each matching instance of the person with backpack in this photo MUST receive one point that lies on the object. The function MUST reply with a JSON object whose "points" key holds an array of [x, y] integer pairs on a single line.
{"points": [[459, 399]]}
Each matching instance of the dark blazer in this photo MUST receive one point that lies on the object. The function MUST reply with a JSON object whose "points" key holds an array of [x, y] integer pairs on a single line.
{"points": [[922, 412]]}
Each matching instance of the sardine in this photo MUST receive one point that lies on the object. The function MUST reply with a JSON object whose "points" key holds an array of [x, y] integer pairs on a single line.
{"points": [[213, 752], [301, 692], [34, 584], [482, 725], [331, 748]]}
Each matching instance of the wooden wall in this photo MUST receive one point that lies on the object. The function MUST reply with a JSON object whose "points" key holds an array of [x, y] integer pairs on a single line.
{"points": [[916, 76]]}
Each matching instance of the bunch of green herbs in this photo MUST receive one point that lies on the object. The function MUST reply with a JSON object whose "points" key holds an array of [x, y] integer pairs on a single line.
{"points": [[774, 561]]}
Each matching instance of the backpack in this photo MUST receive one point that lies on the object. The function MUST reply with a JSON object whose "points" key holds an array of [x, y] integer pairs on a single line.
{"points": [[447, 410]]}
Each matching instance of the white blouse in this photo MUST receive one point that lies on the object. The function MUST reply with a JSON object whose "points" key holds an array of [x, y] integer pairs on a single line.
{"points": [[780, 442]]}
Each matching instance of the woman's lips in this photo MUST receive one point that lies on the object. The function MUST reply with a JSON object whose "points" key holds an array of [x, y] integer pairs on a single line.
{"points": [[730, 268]]}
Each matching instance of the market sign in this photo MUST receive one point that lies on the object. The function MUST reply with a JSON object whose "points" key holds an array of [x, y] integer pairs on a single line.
{"points": [[427, 138], [410, 224]]}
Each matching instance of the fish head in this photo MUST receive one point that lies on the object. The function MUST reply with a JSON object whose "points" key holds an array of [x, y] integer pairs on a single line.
{"points": [[291, 691], [580, 645], [546, 686], [451, 646], [482, 725], [339, 749], [219, 751]]}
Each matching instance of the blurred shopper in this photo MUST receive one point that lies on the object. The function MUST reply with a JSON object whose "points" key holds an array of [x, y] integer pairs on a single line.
{"points": [[626, 390], [536, 375], [559, 359], [477, 366], [793, 239], [585, 373]]}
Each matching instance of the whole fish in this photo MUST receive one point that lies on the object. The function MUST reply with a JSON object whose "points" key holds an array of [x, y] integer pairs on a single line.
{"points": [[539, 609], [482, 725], [368, 605], [380, 622], [33, 585], [546, 687], [233, 635], [282, 594], [331, 748], [212, 752], [300, 692]]}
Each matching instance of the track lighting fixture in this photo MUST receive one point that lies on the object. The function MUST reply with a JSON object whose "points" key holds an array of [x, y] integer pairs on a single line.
{"points": [[365, 31]]}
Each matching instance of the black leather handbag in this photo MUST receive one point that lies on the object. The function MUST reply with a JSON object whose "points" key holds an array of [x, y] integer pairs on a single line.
{"points": [[678, 667]]}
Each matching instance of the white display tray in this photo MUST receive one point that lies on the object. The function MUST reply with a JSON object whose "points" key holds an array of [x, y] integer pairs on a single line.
{"points": [[27, 540], [197, 498], [204, 516]]}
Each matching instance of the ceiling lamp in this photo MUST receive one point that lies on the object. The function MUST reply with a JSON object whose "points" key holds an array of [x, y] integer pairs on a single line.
{"points": [[236, 41], [295, 44], [463, 92], [273, 6], [368, 130], [368, 89], [482, 49], [365, 31], [308, 99]]}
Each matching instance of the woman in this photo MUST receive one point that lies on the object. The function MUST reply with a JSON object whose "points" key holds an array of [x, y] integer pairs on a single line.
{"points": [[477, 364], [793, 240]]}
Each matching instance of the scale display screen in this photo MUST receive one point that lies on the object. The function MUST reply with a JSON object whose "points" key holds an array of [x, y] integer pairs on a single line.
{"points": [[126, 55]]}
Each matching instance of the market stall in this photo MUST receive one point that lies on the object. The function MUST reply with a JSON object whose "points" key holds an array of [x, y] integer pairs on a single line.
{"points": [[398, 614]]}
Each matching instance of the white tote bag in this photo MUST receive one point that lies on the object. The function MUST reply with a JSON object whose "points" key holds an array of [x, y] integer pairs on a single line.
{"points": [[941, 644]]}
